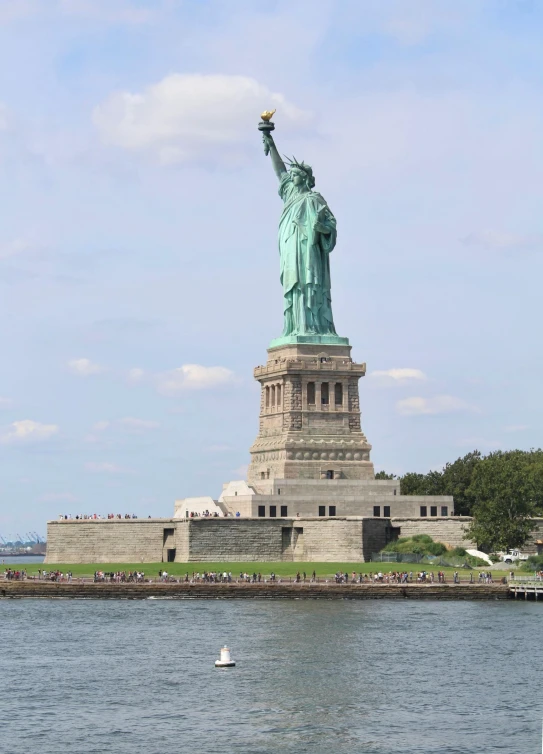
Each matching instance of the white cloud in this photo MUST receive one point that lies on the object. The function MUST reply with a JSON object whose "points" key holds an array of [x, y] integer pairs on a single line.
{"points": [[11, 10], [480, 442], [494, 240], [138, 425], [84, 367], [128, 424], [18, 245], [241, 471], [439, 404], [27, 431], [136, 374], [51, 497], [516, 428], [181, 117], [193, 377], [398, 375], [106, 467], [108, 11], [4, 117]]}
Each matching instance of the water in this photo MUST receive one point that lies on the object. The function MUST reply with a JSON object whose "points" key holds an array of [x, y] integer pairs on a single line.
{"points": [[330, 677], [25, 559]]}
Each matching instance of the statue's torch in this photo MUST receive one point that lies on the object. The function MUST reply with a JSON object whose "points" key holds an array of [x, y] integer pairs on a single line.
{"points": [[266, 126]]}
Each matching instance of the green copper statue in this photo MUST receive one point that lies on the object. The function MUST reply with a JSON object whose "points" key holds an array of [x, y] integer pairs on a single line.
{"points": [[307, 235]]}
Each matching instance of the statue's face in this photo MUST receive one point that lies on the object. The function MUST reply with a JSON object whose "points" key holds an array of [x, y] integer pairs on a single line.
{"points": [[297, 177]]}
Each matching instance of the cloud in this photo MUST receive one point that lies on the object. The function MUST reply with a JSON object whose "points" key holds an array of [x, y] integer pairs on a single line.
{"points": [[27, 431], [241, 471], [4, 117], [18, 245], [84, 367], [101, 426], [182, 117], [136, 374], [51, 497], [494, 240], [138, 425], [480, 442], [398, 376], [106, 467], [128, 424], [439, 404], [516, 428], [108, 11], [11, 10], [193, 377]]}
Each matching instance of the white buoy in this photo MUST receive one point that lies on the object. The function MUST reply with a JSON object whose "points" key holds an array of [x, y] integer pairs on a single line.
{"points": [[226, 661]]}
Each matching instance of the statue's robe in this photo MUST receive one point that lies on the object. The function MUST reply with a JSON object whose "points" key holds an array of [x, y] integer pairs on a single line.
{"points": [[305, 266]]}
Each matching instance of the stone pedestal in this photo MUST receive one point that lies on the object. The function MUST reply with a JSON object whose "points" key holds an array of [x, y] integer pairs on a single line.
{"points": [[309, 416]]}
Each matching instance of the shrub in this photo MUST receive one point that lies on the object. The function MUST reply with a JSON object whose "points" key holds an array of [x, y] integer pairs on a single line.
{"points": [[435, 548], [424, 538], [459, 551], [534, 563]]}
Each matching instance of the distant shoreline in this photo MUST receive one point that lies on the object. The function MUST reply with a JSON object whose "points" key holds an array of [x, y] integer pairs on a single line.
{"points": [[74, 590]]}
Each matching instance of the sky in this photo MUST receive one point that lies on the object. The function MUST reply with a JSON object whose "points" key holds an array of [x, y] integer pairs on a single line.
{"points": [[139, 276]]}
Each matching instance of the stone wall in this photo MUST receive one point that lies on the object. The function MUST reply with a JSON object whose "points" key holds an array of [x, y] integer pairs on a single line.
{"points": [[235, 539], [301, 539], [449, 531], [215, 539], [307, 538], [115, 541]]}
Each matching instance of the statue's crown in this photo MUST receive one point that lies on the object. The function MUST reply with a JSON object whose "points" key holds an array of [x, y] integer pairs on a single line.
{"points": [[307, 169]]}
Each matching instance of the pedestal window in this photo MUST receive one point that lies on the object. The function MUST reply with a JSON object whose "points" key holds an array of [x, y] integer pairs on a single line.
{"points": [[325, 393]]}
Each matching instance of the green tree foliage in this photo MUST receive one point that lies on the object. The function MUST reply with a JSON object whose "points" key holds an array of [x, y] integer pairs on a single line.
{"points": [[454, 480], [507, 488], [457, 478], [422, 484], [384, 475], [502, 491]]}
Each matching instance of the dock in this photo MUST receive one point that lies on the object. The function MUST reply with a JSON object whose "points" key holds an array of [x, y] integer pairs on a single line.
{"points": [[526, 588]]}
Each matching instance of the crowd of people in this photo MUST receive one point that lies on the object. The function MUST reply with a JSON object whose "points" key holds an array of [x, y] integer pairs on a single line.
{"points": [[119, 577], [12, 575], [215, 514], [226, 577], [95, 516], [485, 577]]}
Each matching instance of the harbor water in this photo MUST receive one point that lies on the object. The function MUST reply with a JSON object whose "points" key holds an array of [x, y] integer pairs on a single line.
{"points": [[330, 677]]}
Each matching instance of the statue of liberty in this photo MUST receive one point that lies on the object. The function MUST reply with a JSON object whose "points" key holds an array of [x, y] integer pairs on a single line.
{"points": [[307, 235]]}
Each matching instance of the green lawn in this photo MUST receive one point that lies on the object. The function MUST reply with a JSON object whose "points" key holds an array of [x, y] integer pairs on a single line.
{"points": [[280, 569]]}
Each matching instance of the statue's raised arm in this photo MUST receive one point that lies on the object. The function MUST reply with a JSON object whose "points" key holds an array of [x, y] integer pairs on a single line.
{"points": [[278, 164], [266, 126]]}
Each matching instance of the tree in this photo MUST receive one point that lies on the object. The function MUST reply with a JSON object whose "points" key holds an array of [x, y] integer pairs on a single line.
{"points": [[508, 491], [384, 475], [457, 478], [422, 484], [412, 483]]}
